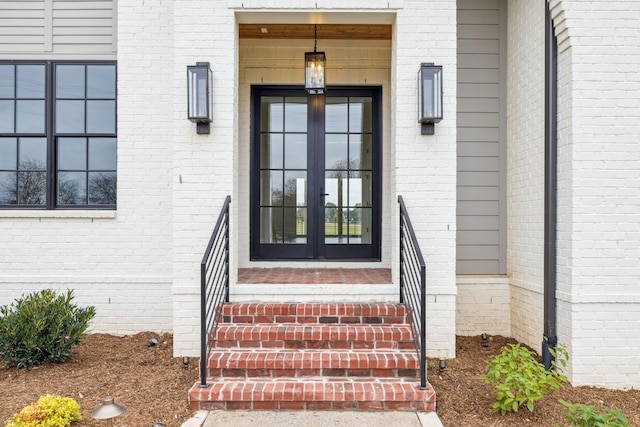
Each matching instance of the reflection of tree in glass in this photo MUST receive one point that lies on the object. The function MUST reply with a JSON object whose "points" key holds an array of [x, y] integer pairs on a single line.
{"points": [[290, 188], [69, 192], [8, 193], [354, 214], [342, 168], [31, 188], [290, 219], [276, 197], [32, 184], [103, 189], [331, 212], [285, 221]]}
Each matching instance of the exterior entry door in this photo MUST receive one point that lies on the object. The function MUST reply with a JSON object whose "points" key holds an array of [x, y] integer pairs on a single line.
{"points": [[315, 173]]}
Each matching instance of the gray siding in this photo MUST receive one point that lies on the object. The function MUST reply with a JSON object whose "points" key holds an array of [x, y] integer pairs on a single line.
{"points": [[22, 26], [57, 27], [481, 210]]}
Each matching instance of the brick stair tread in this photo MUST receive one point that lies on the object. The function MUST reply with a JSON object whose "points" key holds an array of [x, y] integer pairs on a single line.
{"points": [[311, 389], [313, 356], [311, 309], [310, 331], [309, 359]]}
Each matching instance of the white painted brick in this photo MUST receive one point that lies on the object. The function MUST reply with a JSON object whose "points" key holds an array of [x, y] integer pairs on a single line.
{"points": [[598, 185], [126, 257], [139, 265], [483, 306]]}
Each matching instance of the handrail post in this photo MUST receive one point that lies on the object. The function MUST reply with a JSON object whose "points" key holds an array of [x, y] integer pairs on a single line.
{"points": [[423, 327], [401, 253], [226, 251], [203, 326]]}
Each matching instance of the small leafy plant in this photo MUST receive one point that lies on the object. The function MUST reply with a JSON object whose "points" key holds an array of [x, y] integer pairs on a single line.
{"points": [[519, 379], [41, 327], [580, 415], [48, 411]]}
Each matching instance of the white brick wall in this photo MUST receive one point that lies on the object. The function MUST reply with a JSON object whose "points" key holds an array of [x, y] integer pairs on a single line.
{"points": [[525, 170], [604, 344], [139, 265], [204, 166], [483, 305], [600, 198], [424, 170], [598, 184], [119, 261], [124, 305], [421, 35]]}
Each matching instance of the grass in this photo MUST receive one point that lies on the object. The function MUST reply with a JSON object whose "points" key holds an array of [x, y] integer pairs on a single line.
{"points": [[331, 229]]}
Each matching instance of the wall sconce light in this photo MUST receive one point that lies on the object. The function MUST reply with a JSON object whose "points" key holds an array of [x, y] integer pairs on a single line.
{"points": [[430, 97], [199, 96], [314, 66], [108, 411]]}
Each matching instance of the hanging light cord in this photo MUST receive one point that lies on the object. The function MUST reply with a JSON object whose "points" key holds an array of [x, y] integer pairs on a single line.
{"points": [[315, 37]]}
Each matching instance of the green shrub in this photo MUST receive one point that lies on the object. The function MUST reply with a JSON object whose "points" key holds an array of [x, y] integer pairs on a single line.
{"points": [[579, 415], [48, 411], [41, 327], [519, 379]]}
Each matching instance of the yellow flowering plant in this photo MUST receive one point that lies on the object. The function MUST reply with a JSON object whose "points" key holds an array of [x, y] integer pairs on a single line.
{"points": [[49, 411]]}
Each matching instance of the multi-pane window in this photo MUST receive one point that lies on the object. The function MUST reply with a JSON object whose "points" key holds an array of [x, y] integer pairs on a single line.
{"points": [[58, 134]]}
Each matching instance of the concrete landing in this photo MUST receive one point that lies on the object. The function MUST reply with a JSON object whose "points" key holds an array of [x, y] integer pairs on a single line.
{"points": [[312, 419]]}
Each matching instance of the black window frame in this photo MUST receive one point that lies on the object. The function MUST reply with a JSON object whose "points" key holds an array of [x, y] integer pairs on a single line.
{"points": [[51, 136]]}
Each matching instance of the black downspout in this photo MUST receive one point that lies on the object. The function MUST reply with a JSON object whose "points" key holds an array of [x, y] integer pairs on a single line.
{"points": [[550, 338]]}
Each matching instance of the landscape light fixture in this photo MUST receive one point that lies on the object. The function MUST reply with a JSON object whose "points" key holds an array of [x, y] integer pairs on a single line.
{"points": [[483, 337], [108, 411], [442, 364], [430, 97], [314, 67], [199, 96]]}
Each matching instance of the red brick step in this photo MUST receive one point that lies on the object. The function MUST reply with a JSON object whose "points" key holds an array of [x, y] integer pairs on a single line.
{"points": [[313, 356], [293, 363], [327, 336], [313, 394], [371, 313]]}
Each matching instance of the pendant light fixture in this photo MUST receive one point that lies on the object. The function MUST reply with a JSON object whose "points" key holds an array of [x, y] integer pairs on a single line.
{"points": [[314, 66]]}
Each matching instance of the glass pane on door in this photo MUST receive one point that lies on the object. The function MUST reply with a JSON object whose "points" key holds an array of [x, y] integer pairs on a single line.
{"points": [[283, 170], [348, 169]]}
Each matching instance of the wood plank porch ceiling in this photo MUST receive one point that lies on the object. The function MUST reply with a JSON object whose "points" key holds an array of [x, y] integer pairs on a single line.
{"points": [[325, 31]]}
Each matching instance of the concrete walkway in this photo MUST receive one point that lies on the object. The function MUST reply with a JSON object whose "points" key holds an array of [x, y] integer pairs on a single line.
{"points": [[238, 418]]}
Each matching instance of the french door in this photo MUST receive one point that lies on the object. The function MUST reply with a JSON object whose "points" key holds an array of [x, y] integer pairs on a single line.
{"points": [[315, 173]]}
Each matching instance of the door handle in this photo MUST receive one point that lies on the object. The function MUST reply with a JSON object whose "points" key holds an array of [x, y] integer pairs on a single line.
{"points": [[324, 194]]}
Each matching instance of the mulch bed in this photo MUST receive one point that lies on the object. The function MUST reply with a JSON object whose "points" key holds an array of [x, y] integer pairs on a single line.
{"points": [[463, 399], [153, 385]]}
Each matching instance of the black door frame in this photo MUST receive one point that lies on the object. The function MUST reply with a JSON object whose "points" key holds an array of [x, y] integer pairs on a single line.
{"points": [[315, 248]]}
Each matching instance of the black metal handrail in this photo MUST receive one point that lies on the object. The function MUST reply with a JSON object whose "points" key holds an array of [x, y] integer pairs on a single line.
{"points": [[413, 287], [214, 286]]}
